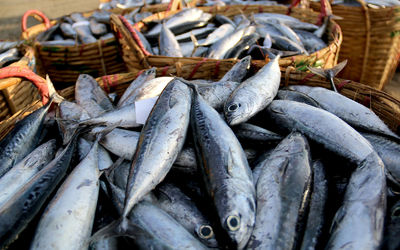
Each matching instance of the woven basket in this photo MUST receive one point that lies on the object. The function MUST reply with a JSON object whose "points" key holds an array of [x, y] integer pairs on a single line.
{"points": [[371, 42], [65, 63], [16, 93], [136, 57]]}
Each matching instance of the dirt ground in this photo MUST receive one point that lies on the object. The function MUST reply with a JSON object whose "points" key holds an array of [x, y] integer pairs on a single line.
{"points": [[11, 12]]}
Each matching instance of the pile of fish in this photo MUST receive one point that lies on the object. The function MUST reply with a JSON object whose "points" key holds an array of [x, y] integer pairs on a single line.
{"points": [[124, 4], [232, 164], [192, 32], [370, 3], [9, 52], [76, 29], [242, 2]]}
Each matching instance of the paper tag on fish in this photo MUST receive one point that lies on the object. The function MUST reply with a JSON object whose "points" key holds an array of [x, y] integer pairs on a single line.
{"points": [[143, 109]]}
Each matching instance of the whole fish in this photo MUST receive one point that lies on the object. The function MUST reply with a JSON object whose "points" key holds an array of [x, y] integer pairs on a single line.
{"points": [[67, 30], [137, 83], [169, 46], [225, 170], [316, 214], [17, 212], [22, 139], [219, 49], [242, 46], [181, 18], [172, 200], [348, 110], [282, 193], [25, 170], [91, 97], [97, 29], [160, 141], [254, 94], [68, 219]]}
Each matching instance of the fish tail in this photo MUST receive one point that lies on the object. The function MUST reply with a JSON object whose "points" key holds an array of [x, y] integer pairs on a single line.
{"points": [[114, 229], [52, 91], [329, 73]]}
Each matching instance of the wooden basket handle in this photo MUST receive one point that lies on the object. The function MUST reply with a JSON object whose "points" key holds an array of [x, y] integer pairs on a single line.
{"points": [[24, 72], [38, 15]]}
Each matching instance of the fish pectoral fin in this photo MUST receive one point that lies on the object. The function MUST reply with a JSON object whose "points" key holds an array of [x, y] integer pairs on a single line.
{"points": [[172, 101], [230, 163], [339, 67]]}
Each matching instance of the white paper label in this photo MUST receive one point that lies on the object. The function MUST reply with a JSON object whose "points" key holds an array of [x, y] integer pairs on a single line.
{"points": [[143, 109]]}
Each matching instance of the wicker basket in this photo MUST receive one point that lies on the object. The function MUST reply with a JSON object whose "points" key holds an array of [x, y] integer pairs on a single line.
{"points": [[371, 42], [17, 93], [136, 57], [65, 63]]}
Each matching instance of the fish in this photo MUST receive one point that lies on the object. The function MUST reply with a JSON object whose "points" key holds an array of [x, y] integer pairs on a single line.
{"points": [[242, 46], [172, 200], [316, 215], [176, 21], [217, 93], [91, 97], [187, 160], [147, 75], [254, 94], [101, 16], [160, 141], [219, 49], [217, 34], [198, 33], [82, 28], [352, 112], [17, 212], [238, 71], [225, 171], [104, 158], [67, 30], [26, 169], [329, 74], [6, 45], [68, 219], [65, 42], [97, 29], [224, 20], [8, 56], [149, 89], [290, 34], [290, 21], [169, 46], [282, 191], [311, 42], [22, 139]]}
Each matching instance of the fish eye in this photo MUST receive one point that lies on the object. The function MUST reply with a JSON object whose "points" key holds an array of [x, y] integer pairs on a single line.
{"points": [[233, 107], [396, 212], [233, 223], [206, 232]]}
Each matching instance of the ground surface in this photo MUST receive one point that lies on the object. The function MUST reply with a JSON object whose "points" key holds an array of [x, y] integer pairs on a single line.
{"points": [[11, 12]]}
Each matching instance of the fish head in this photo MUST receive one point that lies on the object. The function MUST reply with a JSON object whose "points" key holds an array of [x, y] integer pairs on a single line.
{"points": [[236, 110], [206, 234], [239, 219]]}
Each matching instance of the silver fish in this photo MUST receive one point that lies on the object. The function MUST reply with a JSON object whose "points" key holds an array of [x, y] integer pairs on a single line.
{"points": [[282, 191], [218, 34], [68, 219], [70, 111], [91, 97], [311, 42], [17, 212], [225, 170], [172, 200], [169, 46], [137, 83], [25, 170], [104, 158], [68, 31], [254, 94], [290, 21], [160, 141], [97, 29], [348, 110], [315, 220], [22, 139]]}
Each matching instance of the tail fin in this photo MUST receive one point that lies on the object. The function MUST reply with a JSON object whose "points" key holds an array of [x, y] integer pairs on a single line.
{"points": [[328, 73], [52, 91]]}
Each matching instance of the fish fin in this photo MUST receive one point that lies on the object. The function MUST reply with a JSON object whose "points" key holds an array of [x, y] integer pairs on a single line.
{"points": [[99, 135], [52, 91], [230, 164], [321, 72], [273, 53], [339, 67]]}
